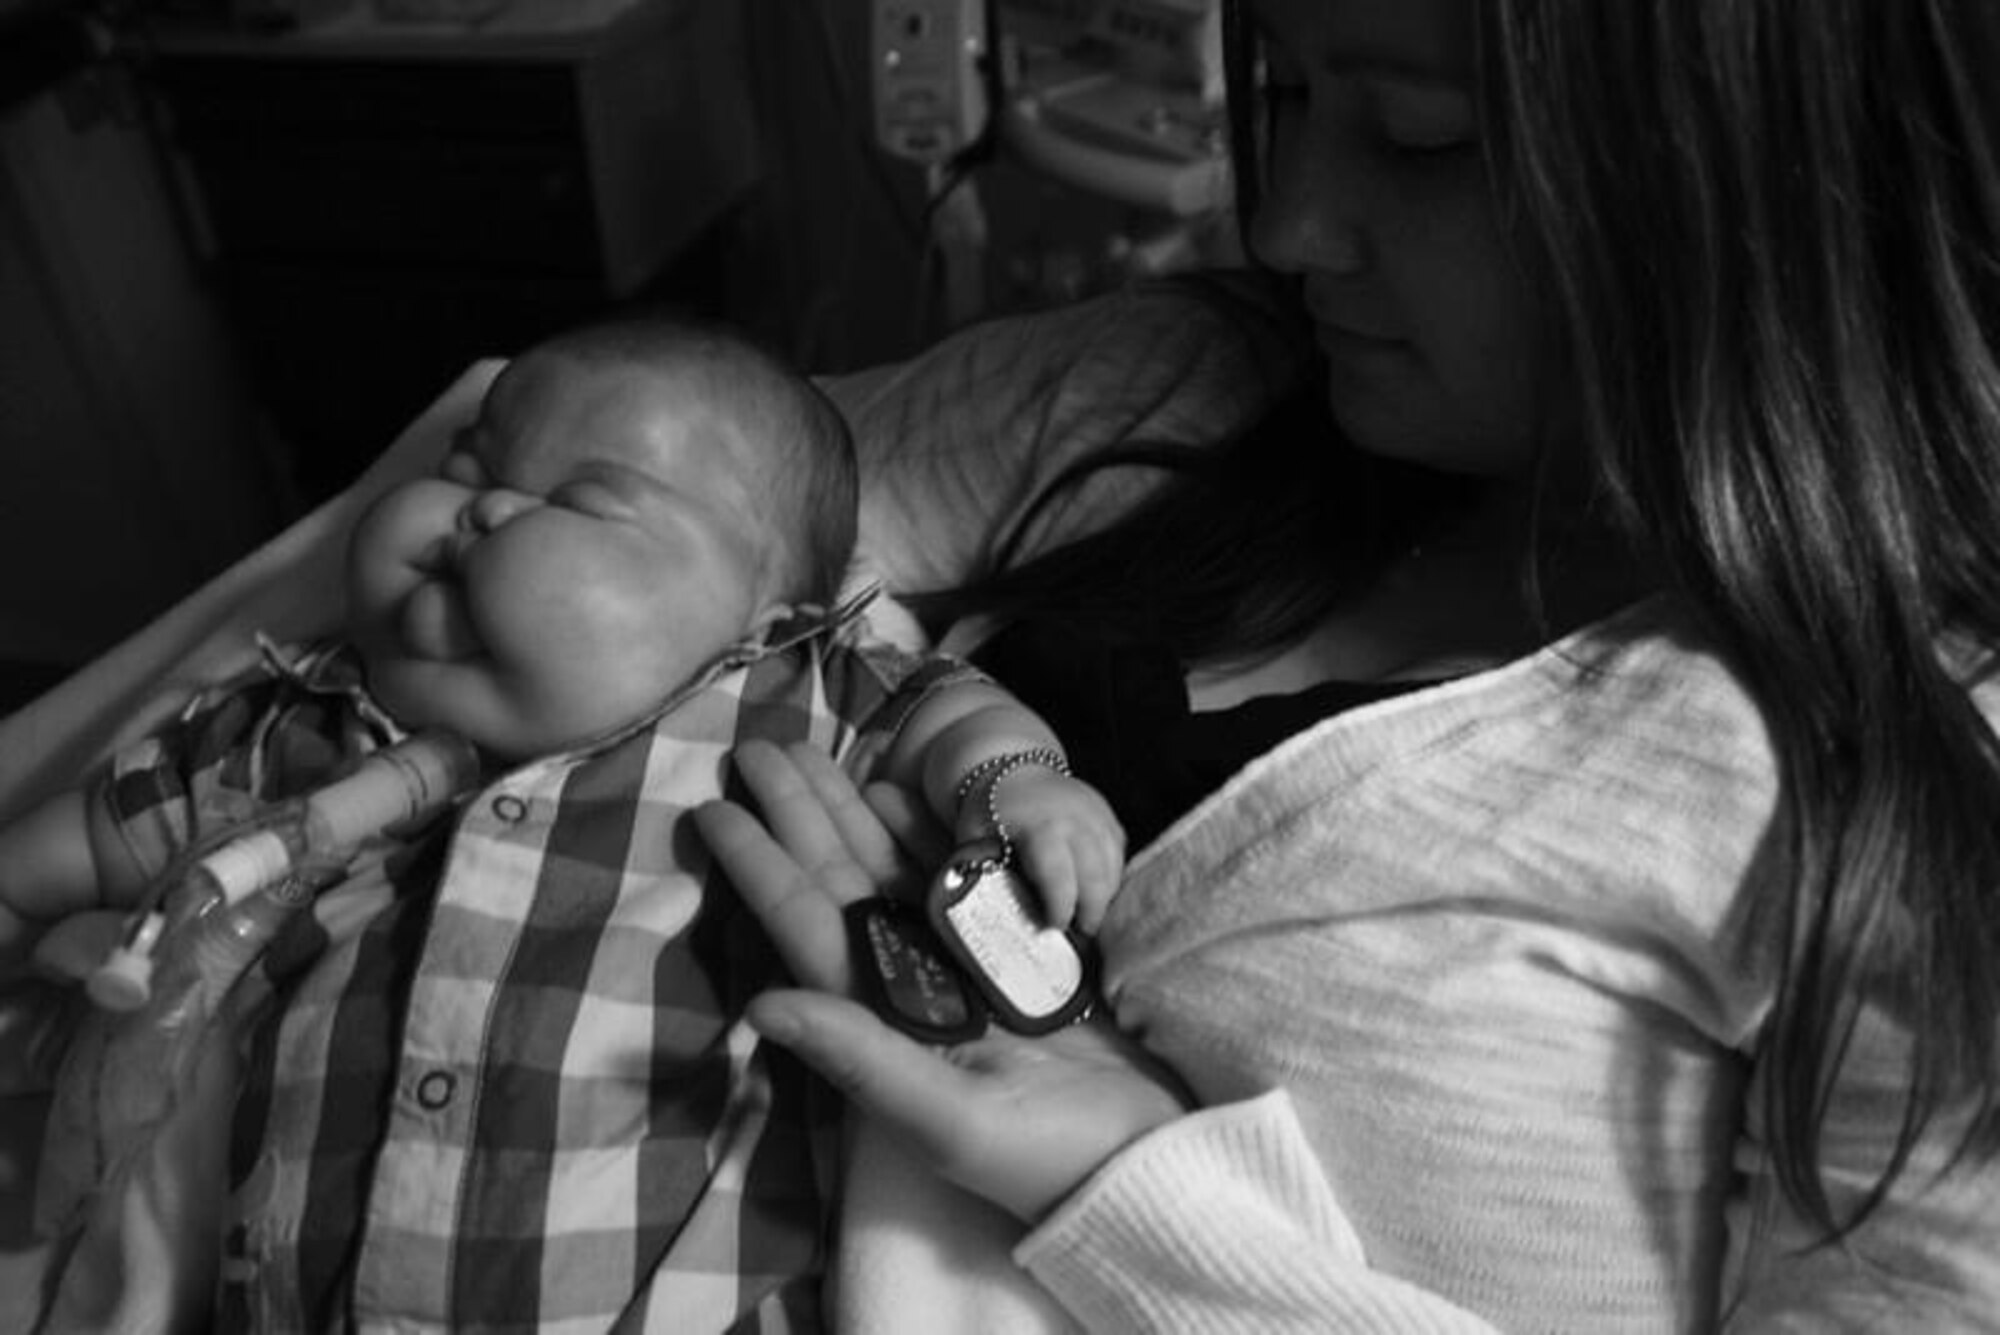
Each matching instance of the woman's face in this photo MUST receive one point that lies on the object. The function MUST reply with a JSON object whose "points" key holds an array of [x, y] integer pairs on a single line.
{"points": [[1377, 198]]}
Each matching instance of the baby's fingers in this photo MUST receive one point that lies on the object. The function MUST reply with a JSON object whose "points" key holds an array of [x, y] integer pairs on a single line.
{"points": [[1050, 866], [1100, 869]]}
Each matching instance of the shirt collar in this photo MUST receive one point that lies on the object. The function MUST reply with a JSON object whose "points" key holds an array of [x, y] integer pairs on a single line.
{"points": [[331, 668]]}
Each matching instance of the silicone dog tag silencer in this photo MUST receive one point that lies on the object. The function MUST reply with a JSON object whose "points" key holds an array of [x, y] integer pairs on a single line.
{"points": [[1033, 976], [906, 977]]}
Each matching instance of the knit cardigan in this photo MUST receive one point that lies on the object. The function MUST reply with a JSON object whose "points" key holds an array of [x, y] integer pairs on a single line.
{"points": [[1468, 984]]}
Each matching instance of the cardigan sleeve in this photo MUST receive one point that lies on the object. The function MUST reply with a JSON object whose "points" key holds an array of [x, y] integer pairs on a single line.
{"points": [[1223, 1221]]}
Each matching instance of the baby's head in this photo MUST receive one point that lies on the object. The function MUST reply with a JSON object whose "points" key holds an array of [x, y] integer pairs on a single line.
{"points": [[633, 497]]}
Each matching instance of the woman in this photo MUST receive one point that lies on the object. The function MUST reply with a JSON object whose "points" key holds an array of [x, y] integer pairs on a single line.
{"points": [[1631, 965]]}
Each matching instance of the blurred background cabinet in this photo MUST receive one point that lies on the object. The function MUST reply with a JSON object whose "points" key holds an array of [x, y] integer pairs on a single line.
{"points": [[244, 242], [390, 200], [133, 461]]}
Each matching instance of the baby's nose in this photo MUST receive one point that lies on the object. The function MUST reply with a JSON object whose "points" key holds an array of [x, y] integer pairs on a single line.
{"points": [[497, 505]]}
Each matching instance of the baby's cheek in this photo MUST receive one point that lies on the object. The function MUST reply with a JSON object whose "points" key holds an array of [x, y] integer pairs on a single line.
{"points": [[469, 699], [530, 574], [376, 583], [385, 556], [564, 679], [618, 675]]}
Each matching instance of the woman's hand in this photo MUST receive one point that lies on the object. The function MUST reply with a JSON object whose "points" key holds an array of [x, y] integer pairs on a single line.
{"points": [[1019, 1121]]}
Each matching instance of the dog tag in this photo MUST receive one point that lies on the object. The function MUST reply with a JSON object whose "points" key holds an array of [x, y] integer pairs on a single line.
{"points": [[1033, 977], [905, 975]]}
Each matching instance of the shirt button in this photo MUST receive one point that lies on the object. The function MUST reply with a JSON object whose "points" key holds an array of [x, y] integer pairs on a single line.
{"points": [[510, 809], [434, 1091]]}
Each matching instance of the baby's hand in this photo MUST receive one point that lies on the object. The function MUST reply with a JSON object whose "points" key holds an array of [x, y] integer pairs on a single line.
{"points": [[1066, 841], [65, 949]]}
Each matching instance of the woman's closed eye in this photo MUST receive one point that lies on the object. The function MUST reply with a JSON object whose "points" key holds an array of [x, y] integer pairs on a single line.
{"points": [[1402, 120]]}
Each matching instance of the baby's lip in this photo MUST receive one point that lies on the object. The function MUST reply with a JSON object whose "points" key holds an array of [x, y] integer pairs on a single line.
{"points": [[445, 557], [433, 624]]}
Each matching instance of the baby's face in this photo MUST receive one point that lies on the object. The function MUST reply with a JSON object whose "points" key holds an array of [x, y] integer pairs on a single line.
{"points": [[589, 543]]}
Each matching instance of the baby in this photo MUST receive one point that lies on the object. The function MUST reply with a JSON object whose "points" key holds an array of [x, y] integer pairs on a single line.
{"points": [[498, 1074]]}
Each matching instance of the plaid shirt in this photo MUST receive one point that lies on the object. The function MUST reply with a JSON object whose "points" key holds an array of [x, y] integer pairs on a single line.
{"points": [[506, 1086]]}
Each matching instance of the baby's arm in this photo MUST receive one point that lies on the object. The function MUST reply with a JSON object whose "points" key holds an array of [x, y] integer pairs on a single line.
{"points": [[54, 863], [1068, 841]]}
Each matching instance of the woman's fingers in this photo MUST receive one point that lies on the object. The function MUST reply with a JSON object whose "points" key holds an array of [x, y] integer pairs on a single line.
{"points": [[799, 818], [925, 841], [814, 847], [800, 913], [860, 830], [1018, 1121]]}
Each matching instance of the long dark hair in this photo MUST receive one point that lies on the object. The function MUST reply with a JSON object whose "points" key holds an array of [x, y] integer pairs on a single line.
{"points": [[1772, 232], [1245, 544]]}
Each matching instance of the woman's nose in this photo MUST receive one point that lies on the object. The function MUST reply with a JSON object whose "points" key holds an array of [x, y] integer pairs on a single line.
{"points": [[1308, 219], [496, 506], [1294, 236]]}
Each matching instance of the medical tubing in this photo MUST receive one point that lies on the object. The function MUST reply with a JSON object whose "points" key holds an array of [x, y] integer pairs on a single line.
{"points": [[411, 778], [216, 911]]}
